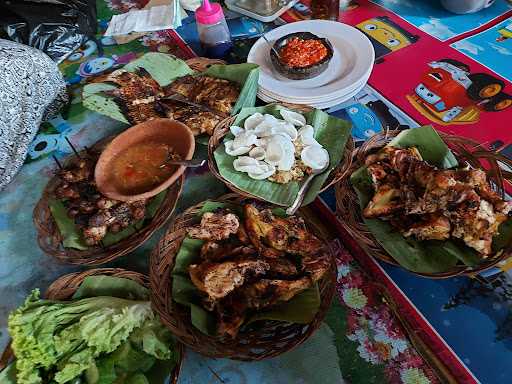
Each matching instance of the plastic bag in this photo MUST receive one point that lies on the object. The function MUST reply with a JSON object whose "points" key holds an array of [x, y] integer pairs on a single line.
{"points": [[57, 27]]}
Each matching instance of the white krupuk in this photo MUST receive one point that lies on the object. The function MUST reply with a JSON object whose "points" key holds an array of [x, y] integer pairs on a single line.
{"points": [[292, 117], [268, 145], [315, 157]]}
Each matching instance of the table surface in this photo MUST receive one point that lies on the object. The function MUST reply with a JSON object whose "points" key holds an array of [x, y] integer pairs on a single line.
{"points": [[362, 339]]}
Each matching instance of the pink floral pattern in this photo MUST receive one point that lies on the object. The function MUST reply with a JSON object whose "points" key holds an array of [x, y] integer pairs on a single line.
{"points": [[372, 325], [123, 6]]}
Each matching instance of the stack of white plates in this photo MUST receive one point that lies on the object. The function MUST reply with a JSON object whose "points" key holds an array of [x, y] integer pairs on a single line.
{"points": [[347, 73]]}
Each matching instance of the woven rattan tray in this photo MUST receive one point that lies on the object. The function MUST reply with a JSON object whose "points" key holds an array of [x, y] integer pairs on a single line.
{"points": [[466, 151], [65, 286], [222, 129], [50, 239], [271, 339]]}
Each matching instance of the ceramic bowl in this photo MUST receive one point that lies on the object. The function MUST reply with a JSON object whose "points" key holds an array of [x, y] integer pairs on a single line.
{"points": [[300, 73], [167, 131]]}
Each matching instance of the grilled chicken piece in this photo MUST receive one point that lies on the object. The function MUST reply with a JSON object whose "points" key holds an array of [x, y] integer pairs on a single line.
{"points": [[231, 313], [477, 227], [198, 120], [215, 226], [384, 202], [217, 251], [218, 94], [282, 234], [433, 227], [220, 279], [282, 267], [185, 86], [267, 292]]}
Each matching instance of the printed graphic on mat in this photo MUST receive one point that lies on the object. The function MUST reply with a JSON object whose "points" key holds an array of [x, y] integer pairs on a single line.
{"points": [[432, 18], [450, 93], [492, 48], [370, 113], [386, 36]]}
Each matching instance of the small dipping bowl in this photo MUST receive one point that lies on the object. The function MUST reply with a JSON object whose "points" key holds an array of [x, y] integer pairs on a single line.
{"points": [[300, 73], [162, 131]]}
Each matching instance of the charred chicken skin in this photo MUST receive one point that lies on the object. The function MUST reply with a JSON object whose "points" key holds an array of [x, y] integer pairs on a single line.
{"points": [[253, 264], [427, 203]]}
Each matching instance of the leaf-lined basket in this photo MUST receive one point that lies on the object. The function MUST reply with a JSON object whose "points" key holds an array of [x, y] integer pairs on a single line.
{"points": [[165, 69], [432, 259], [331, 132], [71, 286], [58, 236], [256, 341]]}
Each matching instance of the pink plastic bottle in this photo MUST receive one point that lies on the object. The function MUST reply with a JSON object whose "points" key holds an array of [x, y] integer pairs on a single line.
{"points": [[213, 30]]}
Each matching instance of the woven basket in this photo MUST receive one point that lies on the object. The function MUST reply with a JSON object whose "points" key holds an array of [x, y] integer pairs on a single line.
{"points": [[222, 129], [269, 340], [50, 239], [465, 150], [65, 286]]}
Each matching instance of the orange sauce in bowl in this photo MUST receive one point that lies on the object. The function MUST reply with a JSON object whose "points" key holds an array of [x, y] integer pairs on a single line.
{"points": [[302, 53], [143, 167]]}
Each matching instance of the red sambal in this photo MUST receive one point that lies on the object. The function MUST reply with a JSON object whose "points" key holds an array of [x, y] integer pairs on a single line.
{"points": [[302, 53]]}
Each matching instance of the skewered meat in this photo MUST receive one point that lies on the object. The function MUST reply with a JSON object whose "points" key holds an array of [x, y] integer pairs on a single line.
{"points": [[215, 226], [93, 235], [93, 213], [219, 279]]}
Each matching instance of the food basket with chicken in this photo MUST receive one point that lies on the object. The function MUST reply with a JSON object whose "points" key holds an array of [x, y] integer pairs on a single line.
{"points": [[432, 203], [269, 152], [76, 224], [199, 93], [240, 279]]}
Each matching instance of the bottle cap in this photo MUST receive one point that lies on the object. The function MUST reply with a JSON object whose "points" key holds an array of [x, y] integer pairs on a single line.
{"points": [[209, 13]]}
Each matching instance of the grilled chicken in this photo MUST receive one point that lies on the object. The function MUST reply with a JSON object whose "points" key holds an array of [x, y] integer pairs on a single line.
{"points": [[217, 94], [215, 226], [285, 235], [426, 203], [198, 120], [217, 280]]}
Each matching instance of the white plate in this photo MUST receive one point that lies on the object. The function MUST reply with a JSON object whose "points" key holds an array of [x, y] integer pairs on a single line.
{"points": [[353, 58], [331, 97], [323, 105]]}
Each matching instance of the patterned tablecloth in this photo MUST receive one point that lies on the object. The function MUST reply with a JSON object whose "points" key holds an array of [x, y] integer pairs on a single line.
{"points": [[367, 336]]}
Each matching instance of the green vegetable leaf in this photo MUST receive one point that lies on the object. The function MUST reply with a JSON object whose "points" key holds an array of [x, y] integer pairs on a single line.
{"points": [[111, 286], [71, 237], [330, 131]]}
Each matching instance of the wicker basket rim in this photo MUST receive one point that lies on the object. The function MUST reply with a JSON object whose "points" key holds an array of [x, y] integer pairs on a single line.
{"points": [[347, 204]]}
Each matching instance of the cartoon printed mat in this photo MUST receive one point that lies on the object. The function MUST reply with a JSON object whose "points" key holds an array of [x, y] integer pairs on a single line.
{"points": [[363, 340], [473, 317]]}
